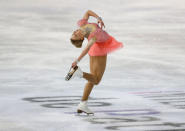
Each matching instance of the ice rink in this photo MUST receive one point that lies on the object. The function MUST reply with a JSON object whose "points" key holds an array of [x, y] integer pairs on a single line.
{"points": [[143, 88]]}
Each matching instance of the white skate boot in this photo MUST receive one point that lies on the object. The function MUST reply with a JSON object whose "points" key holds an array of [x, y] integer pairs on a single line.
{"points": [[74, 72], [82, 107]]}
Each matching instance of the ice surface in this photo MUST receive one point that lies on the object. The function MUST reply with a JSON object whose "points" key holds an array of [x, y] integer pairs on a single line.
{"points": [[143, 87]]}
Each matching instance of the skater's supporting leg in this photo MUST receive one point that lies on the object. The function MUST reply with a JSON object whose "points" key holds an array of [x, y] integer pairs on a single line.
{"points": [[87, 91], [97, 68]]}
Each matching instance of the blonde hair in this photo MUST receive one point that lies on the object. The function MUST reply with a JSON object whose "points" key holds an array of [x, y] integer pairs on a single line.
{"points": [[77, 43]]}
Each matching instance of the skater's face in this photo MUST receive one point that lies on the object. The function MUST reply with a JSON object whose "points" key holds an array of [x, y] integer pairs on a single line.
{"points": [[77, 35], [77, 38]]}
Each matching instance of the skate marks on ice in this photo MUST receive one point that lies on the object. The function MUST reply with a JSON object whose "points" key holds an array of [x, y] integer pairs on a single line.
{"points": [[144, 123], [175, 99], [66, 101], [123, 112], [118, 119]]}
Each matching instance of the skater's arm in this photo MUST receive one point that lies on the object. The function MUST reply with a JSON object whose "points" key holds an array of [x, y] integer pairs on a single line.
{"points": [[91, 13], [85, 51]]}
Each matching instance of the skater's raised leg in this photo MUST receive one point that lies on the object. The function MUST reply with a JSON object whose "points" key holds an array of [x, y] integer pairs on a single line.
{"points": [[97, 68]]}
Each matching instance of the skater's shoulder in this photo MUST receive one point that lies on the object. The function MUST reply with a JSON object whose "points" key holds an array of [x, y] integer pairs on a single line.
{"points": [[82, 22]]}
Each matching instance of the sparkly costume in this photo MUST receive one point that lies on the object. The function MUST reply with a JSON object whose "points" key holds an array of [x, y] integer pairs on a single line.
{"points": [[104, 42]]}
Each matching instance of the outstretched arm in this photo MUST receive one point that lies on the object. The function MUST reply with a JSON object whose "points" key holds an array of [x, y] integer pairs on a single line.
{"points": [[84, 52], [91, 13]]}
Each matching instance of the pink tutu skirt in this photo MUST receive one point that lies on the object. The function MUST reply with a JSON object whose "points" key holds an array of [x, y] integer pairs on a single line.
{"points": [[103, 48]]}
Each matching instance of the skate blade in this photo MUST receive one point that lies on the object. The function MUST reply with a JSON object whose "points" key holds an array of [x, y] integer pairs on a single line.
{"points": [[80, 112], [70, 73], [68, 77]]}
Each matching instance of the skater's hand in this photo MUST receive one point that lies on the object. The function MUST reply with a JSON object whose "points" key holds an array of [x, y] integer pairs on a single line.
{"points": [[100, 21], [74, 64]]}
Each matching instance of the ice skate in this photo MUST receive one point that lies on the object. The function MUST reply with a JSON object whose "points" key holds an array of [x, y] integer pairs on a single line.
{"points": [[74, 72], [82, 107]]}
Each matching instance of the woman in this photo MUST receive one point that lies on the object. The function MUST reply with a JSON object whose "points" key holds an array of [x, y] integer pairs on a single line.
{"points": [[100, 43]]}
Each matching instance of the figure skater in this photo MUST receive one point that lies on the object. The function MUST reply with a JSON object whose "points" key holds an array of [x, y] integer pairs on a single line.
{"points": [[100, 43]]}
